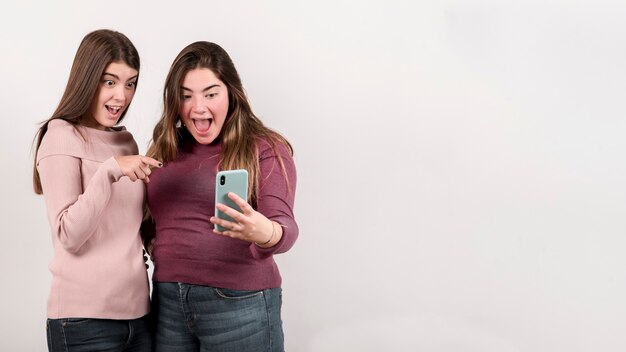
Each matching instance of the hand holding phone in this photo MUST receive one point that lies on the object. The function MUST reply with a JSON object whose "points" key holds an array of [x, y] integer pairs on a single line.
{"points": [[235, 181]]}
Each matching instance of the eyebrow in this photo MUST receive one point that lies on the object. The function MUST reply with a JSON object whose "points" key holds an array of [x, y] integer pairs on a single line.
{"points": [[117, 77], [204, 90]]}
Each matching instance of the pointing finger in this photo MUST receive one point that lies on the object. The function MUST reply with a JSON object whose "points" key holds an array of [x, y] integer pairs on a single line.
{"points": [[151, 162]]}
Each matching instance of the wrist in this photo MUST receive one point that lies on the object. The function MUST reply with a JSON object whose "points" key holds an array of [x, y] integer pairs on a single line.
{"points": [[267, 243]]}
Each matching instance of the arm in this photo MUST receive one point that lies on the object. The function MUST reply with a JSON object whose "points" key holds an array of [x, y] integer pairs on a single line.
{"points": [[73, 214], [275, 200], [271, 228]]}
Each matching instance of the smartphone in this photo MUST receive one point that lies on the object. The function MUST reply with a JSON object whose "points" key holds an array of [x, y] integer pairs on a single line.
{"points": [[235, 181]]}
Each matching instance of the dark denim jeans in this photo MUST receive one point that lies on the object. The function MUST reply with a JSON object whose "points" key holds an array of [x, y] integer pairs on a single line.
{"points": [[201, 318], [86, 334]]}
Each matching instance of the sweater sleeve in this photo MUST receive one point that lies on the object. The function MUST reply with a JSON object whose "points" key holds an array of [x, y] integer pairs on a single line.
{"points": [[74, 214], [276, 195]]}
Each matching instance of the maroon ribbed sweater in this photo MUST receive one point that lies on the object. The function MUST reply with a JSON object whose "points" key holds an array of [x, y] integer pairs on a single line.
{"points": [[181, 197]]}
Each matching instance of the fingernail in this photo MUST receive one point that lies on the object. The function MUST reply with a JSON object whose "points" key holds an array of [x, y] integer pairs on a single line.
{"points": [[160, 164]]}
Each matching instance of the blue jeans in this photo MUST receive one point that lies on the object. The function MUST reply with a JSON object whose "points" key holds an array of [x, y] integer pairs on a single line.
{"points": [[87, 334], [202, 318]]}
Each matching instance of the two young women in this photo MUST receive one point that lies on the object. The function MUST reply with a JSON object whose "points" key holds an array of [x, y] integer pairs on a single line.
{"points": [[215, 291]]}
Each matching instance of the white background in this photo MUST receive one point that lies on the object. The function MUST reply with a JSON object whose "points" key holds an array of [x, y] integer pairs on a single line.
{"points": [[461, 163]]}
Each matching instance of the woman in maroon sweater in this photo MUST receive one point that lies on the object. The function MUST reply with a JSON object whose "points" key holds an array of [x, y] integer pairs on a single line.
{"points": [[217, 291]]}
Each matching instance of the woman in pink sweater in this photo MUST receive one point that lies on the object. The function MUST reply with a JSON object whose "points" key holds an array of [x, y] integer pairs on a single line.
{"points": [[87, 169]]}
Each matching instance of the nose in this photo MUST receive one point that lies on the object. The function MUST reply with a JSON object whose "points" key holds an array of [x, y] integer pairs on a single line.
{"points": [[197, 107], [119, 94]]}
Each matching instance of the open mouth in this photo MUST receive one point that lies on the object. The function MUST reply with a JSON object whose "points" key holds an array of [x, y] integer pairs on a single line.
{"points": [[202, 125], [113, 109]]}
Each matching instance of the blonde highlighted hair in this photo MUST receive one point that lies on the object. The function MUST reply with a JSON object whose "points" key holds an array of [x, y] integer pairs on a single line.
{"points": [[242, 129]]}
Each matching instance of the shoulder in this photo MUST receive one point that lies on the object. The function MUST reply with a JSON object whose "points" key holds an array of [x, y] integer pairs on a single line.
{"points": [[61, 127], [61, 138], [271, 148]]}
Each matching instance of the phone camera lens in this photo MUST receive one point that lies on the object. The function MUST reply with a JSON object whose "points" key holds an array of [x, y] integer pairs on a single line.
{"points": [[222, 180]]}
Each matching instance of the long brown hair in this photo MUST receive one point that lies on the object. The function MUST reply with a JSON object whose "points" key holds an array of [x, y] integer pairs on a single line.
{"points": [[242, 129], [97, 50]]}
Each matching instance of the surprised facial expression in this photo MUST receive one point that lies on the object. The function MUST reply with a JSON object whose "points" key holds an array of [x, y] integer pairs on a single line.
{"points": [[204, 104], [114, 94]]}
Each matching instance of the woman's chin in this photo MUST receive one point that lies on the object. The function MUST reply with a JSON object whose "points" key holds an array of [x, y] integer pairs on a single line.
{"points": [[203, 138]]}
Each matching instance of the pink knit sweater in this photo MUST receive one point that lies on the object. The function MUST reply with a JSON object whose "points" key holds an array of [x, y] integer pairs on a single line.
{"points": [[94, 213]]}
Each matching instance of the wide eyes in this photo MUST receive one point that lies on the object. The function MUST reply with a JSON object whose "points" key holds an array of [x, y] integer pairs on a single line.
{"points": [[111, 83]]}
